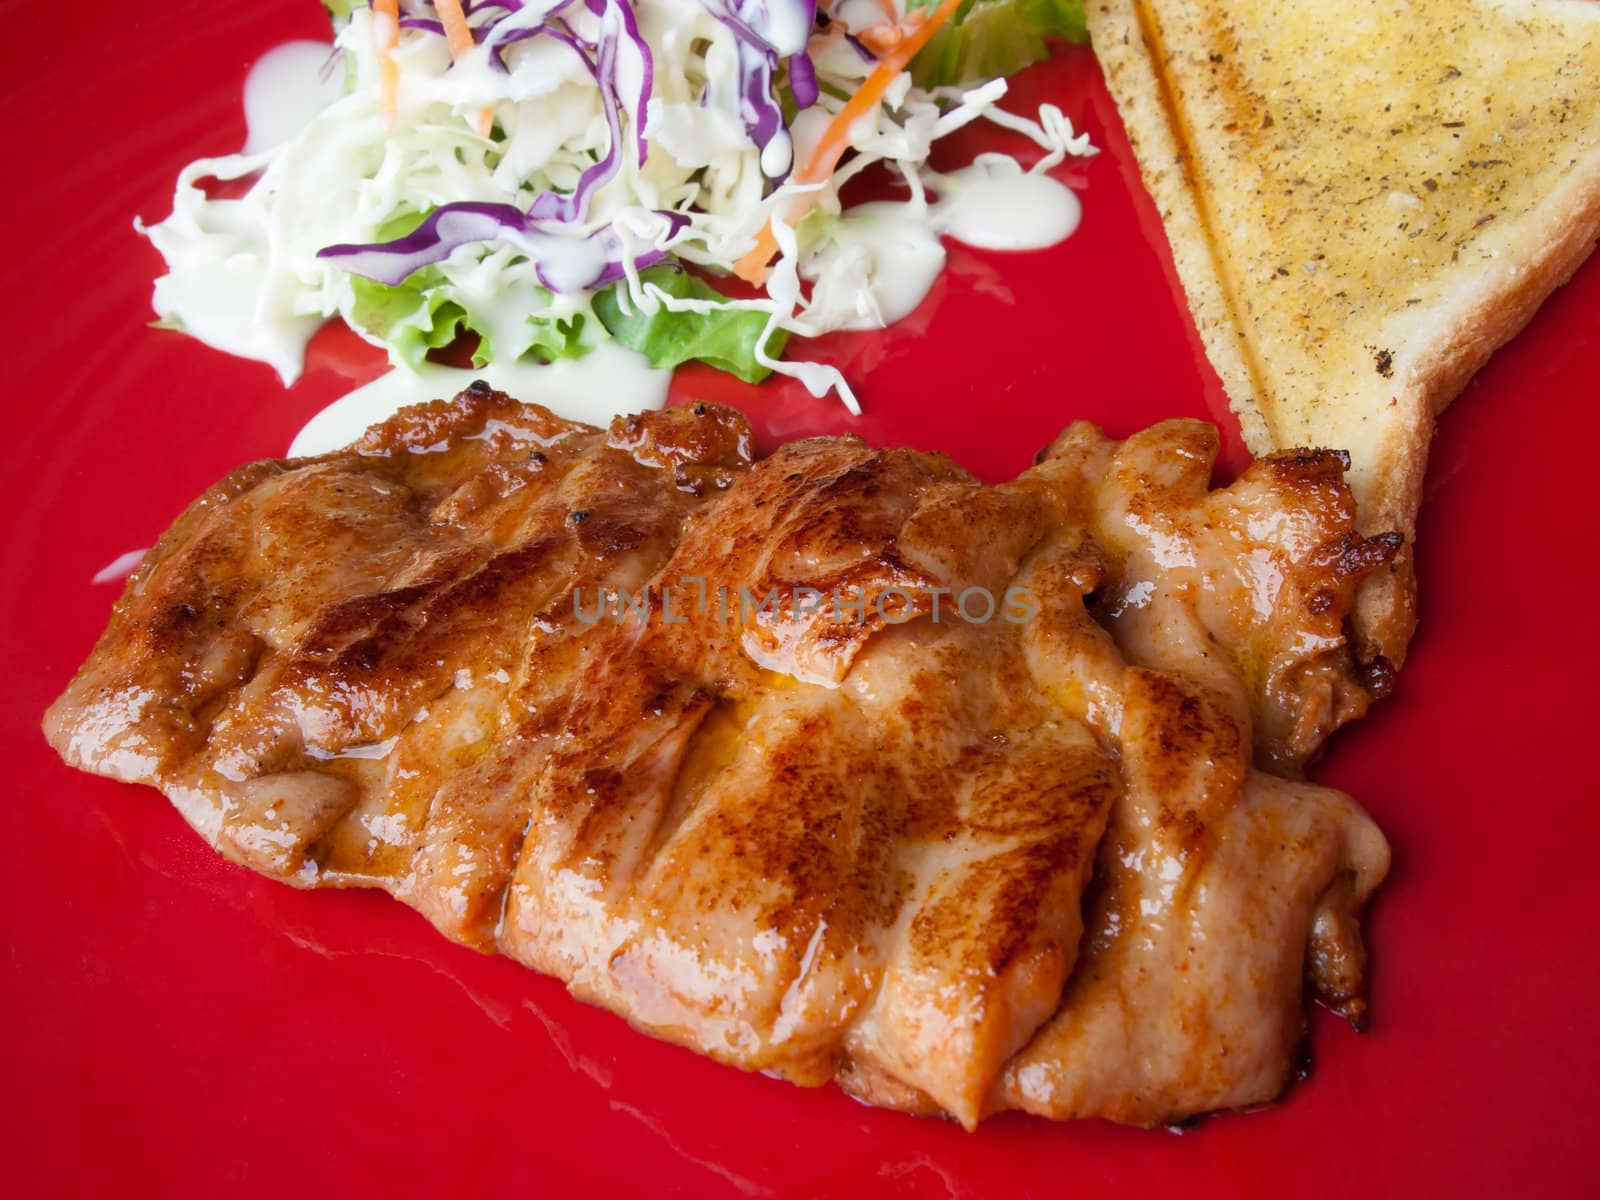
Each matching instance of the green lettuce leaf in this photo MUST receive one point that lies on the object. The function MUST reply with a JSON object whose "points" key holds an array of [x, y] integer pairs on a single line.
{"points": [[990, 39], [547, 341], [425, 313], [726, 338], [413, 318]]}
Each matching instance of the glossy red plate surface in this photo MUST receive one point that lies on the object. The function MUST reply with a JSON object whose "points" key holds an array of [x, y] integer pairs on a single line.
{"points": [[179, 1026]]}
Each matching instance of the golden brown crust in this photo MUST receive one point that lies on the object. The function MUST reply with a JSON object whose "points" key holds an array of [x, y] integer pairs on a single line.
{"points": [[797, 840], [1129, 53], [1562, 239]]}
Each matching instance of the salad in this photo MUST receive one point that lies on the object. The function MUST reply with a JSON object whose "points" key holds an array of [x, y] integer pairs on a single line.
{"points": [[545, 176]]}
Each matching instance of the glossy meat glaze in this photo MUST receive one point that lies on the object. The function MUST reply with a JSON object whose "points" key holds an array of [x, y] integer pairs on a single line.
{"points": [[837, 765]]}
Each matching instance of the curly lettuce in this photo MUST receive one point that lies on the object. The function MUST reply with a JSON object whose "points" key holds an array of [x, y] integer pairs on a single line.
{"points": [[723, 337], [990, 39]]}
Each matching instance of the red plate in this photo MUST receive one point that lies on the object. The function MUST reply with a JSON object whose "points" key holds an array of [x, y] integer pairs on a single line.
{"points": [[180, 1026]]}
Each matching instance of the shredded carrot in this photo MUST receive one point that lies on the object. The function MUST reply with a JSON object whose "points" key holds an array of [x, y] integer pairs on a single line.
{"points": [[882, 39], [459, 34], [456, 30], [836, 137], [385, 37]]}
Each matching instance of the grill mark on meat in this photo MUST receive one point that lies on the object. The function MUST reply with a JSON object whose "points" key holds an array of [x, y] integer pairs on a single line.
{"points": [[956, 867]]}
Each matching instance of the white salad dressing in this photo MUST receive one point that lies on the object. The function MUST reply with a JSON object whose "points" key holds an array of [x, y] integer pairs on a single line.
{"points": [[220, 285], [997, 205], [604, 383], [777, 155], [881, 257], [288, 86]]}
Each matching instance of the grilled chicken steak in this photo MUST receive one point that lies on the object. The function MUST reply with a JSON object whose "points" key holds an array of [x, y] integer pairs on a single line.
{"points": [[837, 765]]}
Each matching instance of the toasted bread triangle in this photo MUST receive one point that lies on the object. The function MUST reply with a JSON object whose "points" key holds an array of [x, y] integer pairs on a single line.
{"points": [[1364, 201]]}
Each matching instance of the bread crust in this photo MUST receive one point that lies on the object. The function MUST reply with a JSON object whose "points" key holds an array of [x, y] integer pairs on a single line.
{"points": [[1166, 166], [1459, 334]]}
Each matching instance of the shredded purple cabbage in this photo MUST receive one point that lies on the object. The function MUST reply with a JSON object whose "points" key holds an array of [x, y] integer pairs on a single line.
{"points": [[860, 48], [426, 24], [618, 50], [563, 263], [632, 54], [421, 14], [421, 8], [570, 206], [803, 80], [499, 38], [765, 32], [758, 106]]}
